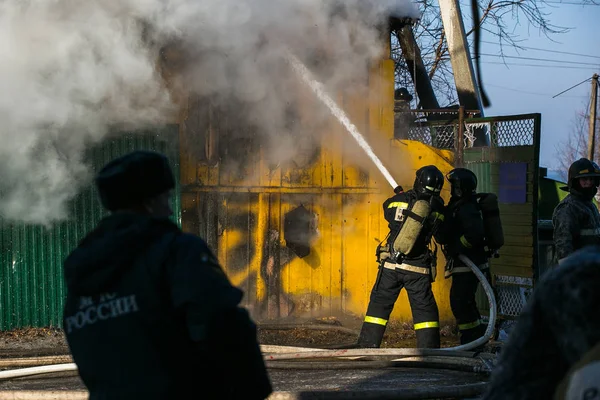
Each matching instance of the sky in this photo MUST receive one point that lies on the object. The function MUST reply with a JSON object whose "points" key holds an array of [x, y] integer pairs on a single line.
{"points": [[520, 89]]}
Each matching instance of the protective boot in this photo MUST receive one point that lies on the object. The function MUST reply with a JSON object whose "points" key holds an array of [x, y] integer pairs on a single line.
{"points": [[470, 335], [371, 335], [428, 338]]}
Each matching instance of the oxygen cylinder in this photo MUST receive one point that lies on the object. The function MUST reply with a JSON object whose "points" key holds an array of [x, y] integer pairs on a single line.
{"points": [[411, 229], [492, 224]]}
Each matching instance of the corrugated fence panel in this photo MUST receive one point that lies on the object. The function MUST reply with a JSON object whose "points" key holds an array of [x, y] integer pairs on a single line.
{"points": [[31, 279]]}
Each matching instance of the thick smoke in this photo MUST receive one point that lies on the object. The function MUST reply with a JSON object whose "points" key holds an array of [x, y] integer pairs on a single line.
{"points": [[70, 71]]}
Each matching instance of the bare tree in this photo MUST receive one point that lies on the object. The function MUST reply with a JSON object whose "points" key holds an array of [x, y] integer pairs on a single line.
{"points": [[498, 17], [575, 145]]}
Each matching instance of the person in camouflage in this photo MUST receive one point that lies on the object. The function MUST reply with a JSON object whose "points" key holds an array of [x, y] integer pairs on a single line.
{"points": [[559, 325], [576, 219]]}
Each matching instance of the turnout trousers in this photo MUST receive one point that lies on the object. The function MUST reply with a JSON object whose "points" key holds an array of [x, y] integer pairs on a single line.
{"points": [[384, 294], [464, 306]]}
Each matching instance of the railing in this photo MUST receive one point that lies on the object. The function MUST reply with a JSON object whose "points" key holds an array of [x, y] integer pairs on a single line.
{"points": [[456, 129]]}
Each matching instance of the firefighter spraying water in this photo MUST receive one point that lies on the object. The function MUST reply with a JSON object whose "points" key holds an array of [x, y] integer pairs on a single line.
{"points": [[415, 230]]}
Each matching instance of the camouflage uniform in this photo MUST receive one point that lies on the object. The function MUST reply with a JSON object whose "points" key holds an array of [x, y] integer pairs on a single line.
{"points": [[576, 219], [558, 326], [576, 223]]}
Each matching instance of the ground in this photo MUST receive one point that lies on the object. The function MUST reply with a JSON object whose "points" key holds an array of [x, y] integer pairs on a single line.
{"points": [[49, 341]]}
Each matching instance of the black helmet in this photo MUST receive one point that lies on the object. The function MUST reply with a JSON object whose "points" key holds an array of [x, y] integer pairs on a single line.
{"points": [[429, 181], [402, 94], [463, 182], [583, 168]]}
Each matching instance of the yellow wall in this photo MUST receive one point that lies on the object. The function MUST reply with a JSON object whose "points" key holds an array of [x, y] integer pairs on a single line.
{"points": [[242, 214]]}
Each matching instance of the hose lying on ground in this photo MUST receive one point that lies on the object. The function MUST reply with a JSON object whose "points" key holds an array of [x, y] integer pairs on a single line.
{"points": [[44, 395], [46, 369], [318, 353], [451, 363]]}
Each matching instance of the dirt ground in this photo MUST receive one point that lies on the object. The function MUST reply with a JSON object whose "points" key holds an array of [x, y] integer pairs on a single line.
{"points": [[51, 341], [323, 333]]}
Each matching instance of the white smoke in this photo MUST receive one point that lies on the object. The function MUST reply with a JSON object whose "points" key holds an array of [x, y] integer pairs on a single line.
{"points": [[70, 70]]}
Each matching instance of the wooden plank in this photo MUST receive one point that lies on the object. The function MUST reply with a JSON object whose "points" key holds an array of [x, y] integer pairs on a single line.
{"points": [[515, 220], [523, 240], [517, 250], [516, 260], [502, 268], [519, 231]]}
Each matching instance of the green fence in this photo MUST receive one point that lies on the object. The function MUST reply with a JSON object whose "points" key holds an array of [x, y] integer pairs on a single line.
{"points": [[31, 279]]}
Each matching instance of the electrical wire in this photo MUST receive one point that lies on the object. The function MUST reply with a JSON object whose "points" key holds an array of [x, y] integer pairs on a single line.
{"points": [[526, 92], [572, 87], [572, 3], [540, 66], [597, 65], [544, 50]]}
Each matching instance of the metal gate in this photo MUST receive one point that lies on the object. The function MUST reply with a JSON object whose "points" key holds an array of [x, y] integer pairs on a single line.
{"points": [[509, 167]]}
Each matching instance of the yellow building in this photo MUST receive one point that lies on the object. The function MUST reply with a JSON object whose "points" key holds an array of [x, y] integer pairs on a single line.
{"points": [[253, 210]]}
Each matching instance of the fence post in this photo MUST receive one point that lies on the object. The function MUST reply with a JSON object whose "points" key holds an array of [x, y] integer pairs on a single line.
{"points": [[460, 138]]}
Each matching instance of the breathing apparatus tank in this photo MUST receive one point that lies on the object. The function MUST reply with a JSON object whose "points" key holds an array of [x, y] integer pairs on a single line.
{"points": [[492, 224], [412, 226]]}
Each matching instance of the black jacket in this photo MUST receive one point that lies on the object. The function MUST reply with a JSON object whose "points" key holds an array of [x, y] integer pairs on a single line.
{"points": [[150, 314], [393, 207], [462, 231], [576, 223], [558, 325]]}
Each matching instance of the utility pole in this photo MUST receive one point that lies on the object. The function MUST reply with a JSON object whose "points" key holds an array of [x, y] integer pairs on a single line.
{"points": [[592, 134], [462, 66]]}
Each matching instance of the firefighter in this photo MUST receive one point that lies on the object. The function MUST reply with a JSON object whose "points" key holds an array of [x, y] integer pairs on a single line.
{"points": [[576, 219], [149, 313], [414, 270], [553, 350], [463, 233]]}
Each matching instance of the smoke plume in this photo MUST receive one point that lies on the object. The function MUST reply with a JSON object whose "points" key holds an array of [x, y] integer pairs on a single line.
{"points": [[70, 71]]}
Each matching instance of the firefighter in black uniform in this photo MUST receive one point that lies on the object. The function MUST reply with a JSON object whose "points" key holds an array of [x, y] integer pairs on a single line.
{"points": [[414, 271], [149, 313], [576, 219], [463, 233]]}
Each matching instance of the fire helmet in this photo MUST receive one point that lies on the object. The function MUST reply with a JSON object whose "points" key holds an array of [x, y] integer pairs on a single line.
{"points": [[583, 168], [429, 181], [463, 182]]}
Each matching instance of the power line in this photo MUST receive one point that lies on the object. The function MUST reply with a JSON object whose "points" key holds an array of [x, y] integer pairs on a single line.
{"points": [[541, 59], [572, 87], [545, 50], [541, 66], [572, 3], [526, 92]]}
